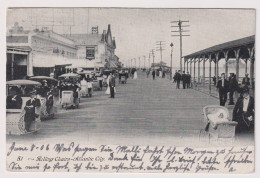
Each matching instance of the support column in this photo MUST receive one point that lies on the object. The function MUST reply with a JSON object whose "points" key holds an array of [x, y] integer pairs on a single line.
{"points": [[210, 74], [184, 65], [30, 64], [237, 62], [194, 72], [199, 79], [217, 59], [226, 62], [246, 66], [190, 67], [252, 60], [12, 67], [203, 70], [215, 67], [187, 66]]}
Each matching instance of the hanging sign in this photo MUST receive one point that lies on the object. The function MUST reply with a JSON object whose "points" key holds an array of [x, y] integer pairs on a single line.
{"points": [[90, 53]]}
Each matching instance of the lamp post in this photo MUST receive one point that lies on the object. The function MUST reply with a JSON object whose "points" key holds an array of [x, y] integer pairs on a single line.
{"points": [[171, 45]]}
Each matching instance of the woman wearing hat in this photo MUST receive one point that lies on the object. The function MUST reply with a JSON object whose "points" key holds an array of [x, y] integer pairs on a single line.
{"points": [[244, 110]]}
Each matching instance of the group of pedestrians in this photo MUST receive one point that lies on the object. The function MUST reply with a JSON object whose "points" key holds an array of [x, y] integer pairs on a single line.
{"points": [[243, 112], [229, 86], [184, 77]]}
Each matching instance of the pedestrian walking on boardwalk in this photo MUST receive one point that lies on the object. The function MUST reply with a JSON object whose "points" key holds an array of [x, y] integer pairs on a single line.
{"points": [[174, 77], [184, 80], [246, 80], [108, 86], [214, 80], [112, 83], [177, 77], [188, 80], [153, 73], [222, 87], [148, 72], [233, 85], [163, 74], [135, 74]]}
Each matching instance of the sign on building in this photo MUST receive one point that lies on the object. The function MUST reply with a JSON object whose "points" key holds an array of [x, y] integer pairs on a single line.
{"points": [[90, 53]]}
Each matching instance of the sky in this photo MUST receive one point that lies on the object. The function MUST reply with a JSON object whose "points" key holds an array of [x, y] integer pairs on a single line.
{"points": [[137, 30]]}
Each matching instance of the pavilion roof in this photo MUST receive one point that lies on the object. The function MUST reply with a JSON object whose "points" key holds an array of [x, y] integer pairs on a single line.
{"points": [[224, 46]]}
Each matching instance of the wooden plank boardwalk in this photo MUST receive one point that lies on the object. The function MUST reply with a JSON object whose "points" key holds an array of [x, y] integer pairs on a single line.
{"points": [[144, 111]]}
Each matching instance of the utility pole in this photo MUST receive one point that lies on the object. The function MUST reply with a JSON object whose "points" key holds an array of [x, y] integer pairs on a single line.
{"points": [[149, 66], [171, 45], [160, 44], [139, 63], [144, 62], [180, 31], [153, 56], [135, 62]]}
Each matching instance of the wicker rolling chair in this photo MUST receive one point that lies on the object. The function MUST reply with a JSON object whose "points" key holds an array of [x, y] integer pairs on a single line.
{"points": [[225, 129]]}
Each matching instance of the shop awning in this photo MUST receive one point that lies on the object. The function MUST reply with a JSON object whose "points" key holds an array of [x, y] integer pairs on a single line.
{"points": [[50, 61]]}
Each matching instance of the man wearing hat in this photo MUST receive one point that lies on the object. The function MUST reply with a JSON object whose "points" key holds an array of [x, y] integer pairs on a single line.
{"points": [[184, 80], [233, 84], [177, 77], [246, 80], [222, 87], [153, 74], [13, 100], [243, 112], [112, 84], [188, 80], [29, 108]]}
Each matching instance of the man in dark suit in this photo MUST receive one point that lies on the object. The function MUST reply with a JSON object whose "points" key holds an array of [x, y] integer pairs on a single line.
{"points": [[233, 84], [133, 72], [188, 80], [214, 80], [222, 87], [177, 76], [112, 83], [49, 101], [243, 112], [246, 80], [153, 73], [29, 108], [13, 100], [174, 76], [184, 80]]}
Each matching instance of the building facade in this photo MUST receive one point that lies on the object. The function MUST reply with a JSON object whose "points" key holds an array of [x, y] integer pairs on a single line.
{"points": [[32, 53], [98, 49], [36, 52]]}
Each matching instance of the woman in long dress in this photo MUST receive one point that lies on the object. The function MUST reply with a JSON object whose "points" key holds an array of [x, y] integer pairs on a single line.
{"points": [[135, 75], [108, 88], [84, 88]]}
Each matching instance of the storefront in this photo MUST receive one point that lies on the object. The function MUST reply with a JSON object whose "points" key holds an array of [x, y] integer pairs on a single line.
{"points": [[16, 62]]}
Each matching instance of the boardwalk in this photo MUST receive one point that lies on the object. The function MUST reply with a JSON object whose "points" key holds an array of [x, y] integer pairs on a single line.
{"points": [[143, 112]]}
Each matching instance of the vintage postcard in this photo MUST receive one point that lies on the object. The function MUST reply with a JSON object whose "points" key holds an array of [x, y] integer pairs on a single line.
{"points": [[130, 90]]}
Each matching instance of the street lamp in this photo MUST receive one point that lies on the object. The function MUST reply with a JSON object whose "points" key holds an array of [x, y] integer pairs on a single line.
{"points": [[171, 45]]}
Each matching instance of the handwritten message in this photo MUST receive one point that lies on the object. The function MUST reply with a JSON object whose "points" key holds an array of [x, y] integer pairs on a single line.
{"points": [[75, 157]]}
